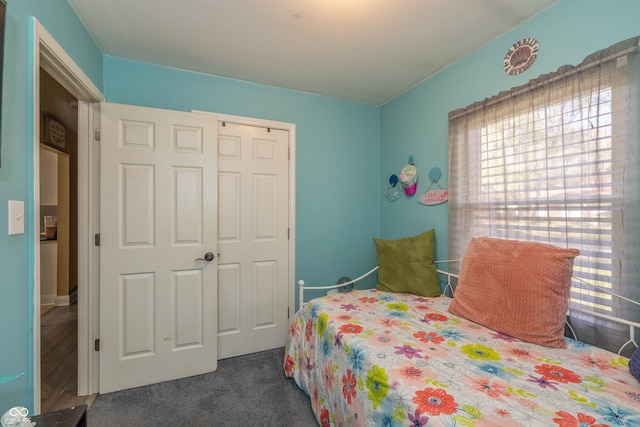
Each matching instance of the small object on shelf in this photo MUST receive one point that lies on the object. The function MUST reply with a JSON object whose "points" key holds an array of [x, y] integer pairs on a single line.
{"points": [[50, 227]]}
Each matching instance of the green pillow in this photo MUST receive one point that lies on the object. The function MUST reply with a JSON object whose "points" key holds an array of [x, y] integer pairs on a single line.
{"points": [[406, 265]]}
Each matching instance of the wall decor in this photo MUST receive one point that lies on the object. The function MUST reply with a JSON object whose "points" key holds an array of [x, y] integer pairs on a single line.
{"points": [[520, 56], [435, 196], [393, 191], [54, 133], [409, 177]]}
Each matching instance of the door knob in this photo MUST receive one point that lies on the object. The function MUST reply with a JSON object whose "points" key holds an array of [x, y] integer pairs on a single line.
{"points": [[209, 256]]}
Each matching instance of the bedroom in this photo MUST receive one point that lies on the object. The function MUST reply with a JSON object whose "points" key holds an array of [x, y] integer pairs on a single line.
{"points": [[380, 138]]}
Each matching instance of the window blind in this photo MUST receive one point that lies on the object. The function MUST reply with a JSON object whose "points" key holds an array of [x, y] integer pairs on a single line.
{"points": [[556, 161]]}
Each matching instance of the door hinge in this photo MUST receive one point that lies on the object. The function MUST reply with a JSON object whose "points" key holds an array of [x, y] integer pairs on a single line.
{"points": [[96, 134], [288, 233], [288, 312], [96, 344], [96, 239], [289, 153]]}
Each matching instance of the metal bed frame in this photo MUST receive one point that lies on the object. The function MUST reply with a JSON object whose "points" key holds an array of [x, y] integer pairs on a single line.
{"points": [[449, 290]]}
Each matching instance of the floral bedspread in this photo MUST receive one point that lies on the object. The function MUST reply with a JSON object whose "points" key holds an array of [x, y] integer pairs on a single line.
{"points": [[380, 359]]}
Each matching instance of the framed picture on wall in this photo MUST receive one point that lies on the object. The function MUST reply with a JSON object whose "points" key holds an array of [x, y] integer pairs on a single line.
{"points": [[54, 133]]}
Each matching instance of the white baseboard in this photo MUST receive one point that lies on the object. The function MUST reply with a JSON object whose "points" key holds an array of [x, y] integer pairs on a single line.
{"points": [[62, 300], [48, 299]]}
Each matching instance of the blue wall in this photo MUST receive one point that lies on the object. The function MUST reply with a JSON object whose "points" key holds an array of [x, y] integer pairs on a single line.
{"points": [[345, 151], [417, 121], [16, 179], [337, 165], [337, 156]]}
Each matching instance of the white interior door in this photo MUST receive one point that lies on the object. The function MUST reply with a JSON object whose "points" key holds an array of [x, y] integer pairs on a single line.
{"points": [[253, 183], [158, 202]]}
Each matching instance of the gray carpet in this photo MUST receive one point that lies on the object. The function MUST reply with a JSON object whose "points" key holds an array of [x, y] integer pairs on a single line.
{"points": [[249, 390]]}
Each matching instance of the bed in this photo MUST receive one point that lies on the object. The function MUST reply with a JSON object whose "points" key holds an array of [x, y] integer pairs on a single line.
{"points": [[387, 358]]}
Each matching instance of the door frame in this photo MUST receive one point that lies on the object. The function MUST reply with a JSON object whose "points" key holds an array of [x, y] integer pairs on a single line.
{"points": [[291, 128], [48, 54]]}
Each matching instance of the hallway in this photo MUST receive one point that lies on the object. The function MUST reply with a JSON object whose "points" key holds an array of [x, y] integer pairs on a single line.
{"points": [[59, 359]]}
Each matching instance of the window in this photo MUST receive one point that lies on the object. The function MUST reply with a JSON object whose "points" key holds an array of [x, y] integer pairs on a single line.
{"points": [[556, 161]]}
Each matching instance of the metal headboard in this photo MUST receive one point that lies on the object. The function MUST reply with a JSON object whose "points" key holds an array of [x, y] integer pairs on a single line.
{"points": [[449, 291]]}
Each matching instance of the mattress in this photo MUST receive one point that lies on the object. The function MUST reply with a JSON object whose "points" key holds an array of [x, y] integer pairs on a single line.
{"points": [[372, 358]]}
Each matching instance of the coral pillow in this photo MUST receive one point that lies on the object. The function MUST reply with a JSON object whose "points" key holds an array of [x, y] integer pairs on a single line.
{"points": [[517, 288], [406, 265]]}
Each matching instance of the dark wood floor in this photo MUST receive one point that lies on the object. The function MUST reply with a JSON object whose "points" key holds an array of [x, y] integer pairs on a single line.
{"points": [[59, 359]]}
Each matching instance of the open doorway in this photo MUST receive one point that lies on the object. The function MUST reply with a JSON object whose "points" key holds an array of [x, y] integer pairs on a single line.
{"points": [[82, 104], [58, 246]]}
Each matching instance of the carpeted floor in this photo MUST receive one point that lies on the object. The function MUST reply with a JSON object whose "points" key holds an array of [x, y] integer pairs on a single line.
{"points": [[249, 390]]}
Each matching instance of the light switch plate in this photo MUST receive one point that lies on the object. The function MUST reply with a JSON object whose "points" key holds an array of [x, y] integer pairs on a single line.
{"points": [[16, 217]]}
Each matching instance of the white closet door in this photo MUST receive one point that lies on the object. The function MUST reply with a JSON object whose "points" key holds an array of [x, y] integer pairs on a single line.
{"points": [[253, 183]]}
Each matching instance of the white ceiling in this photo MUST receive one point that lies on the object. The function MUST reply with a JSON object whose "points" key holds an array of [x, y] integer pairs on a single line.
{"points": [[368, 51]]}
